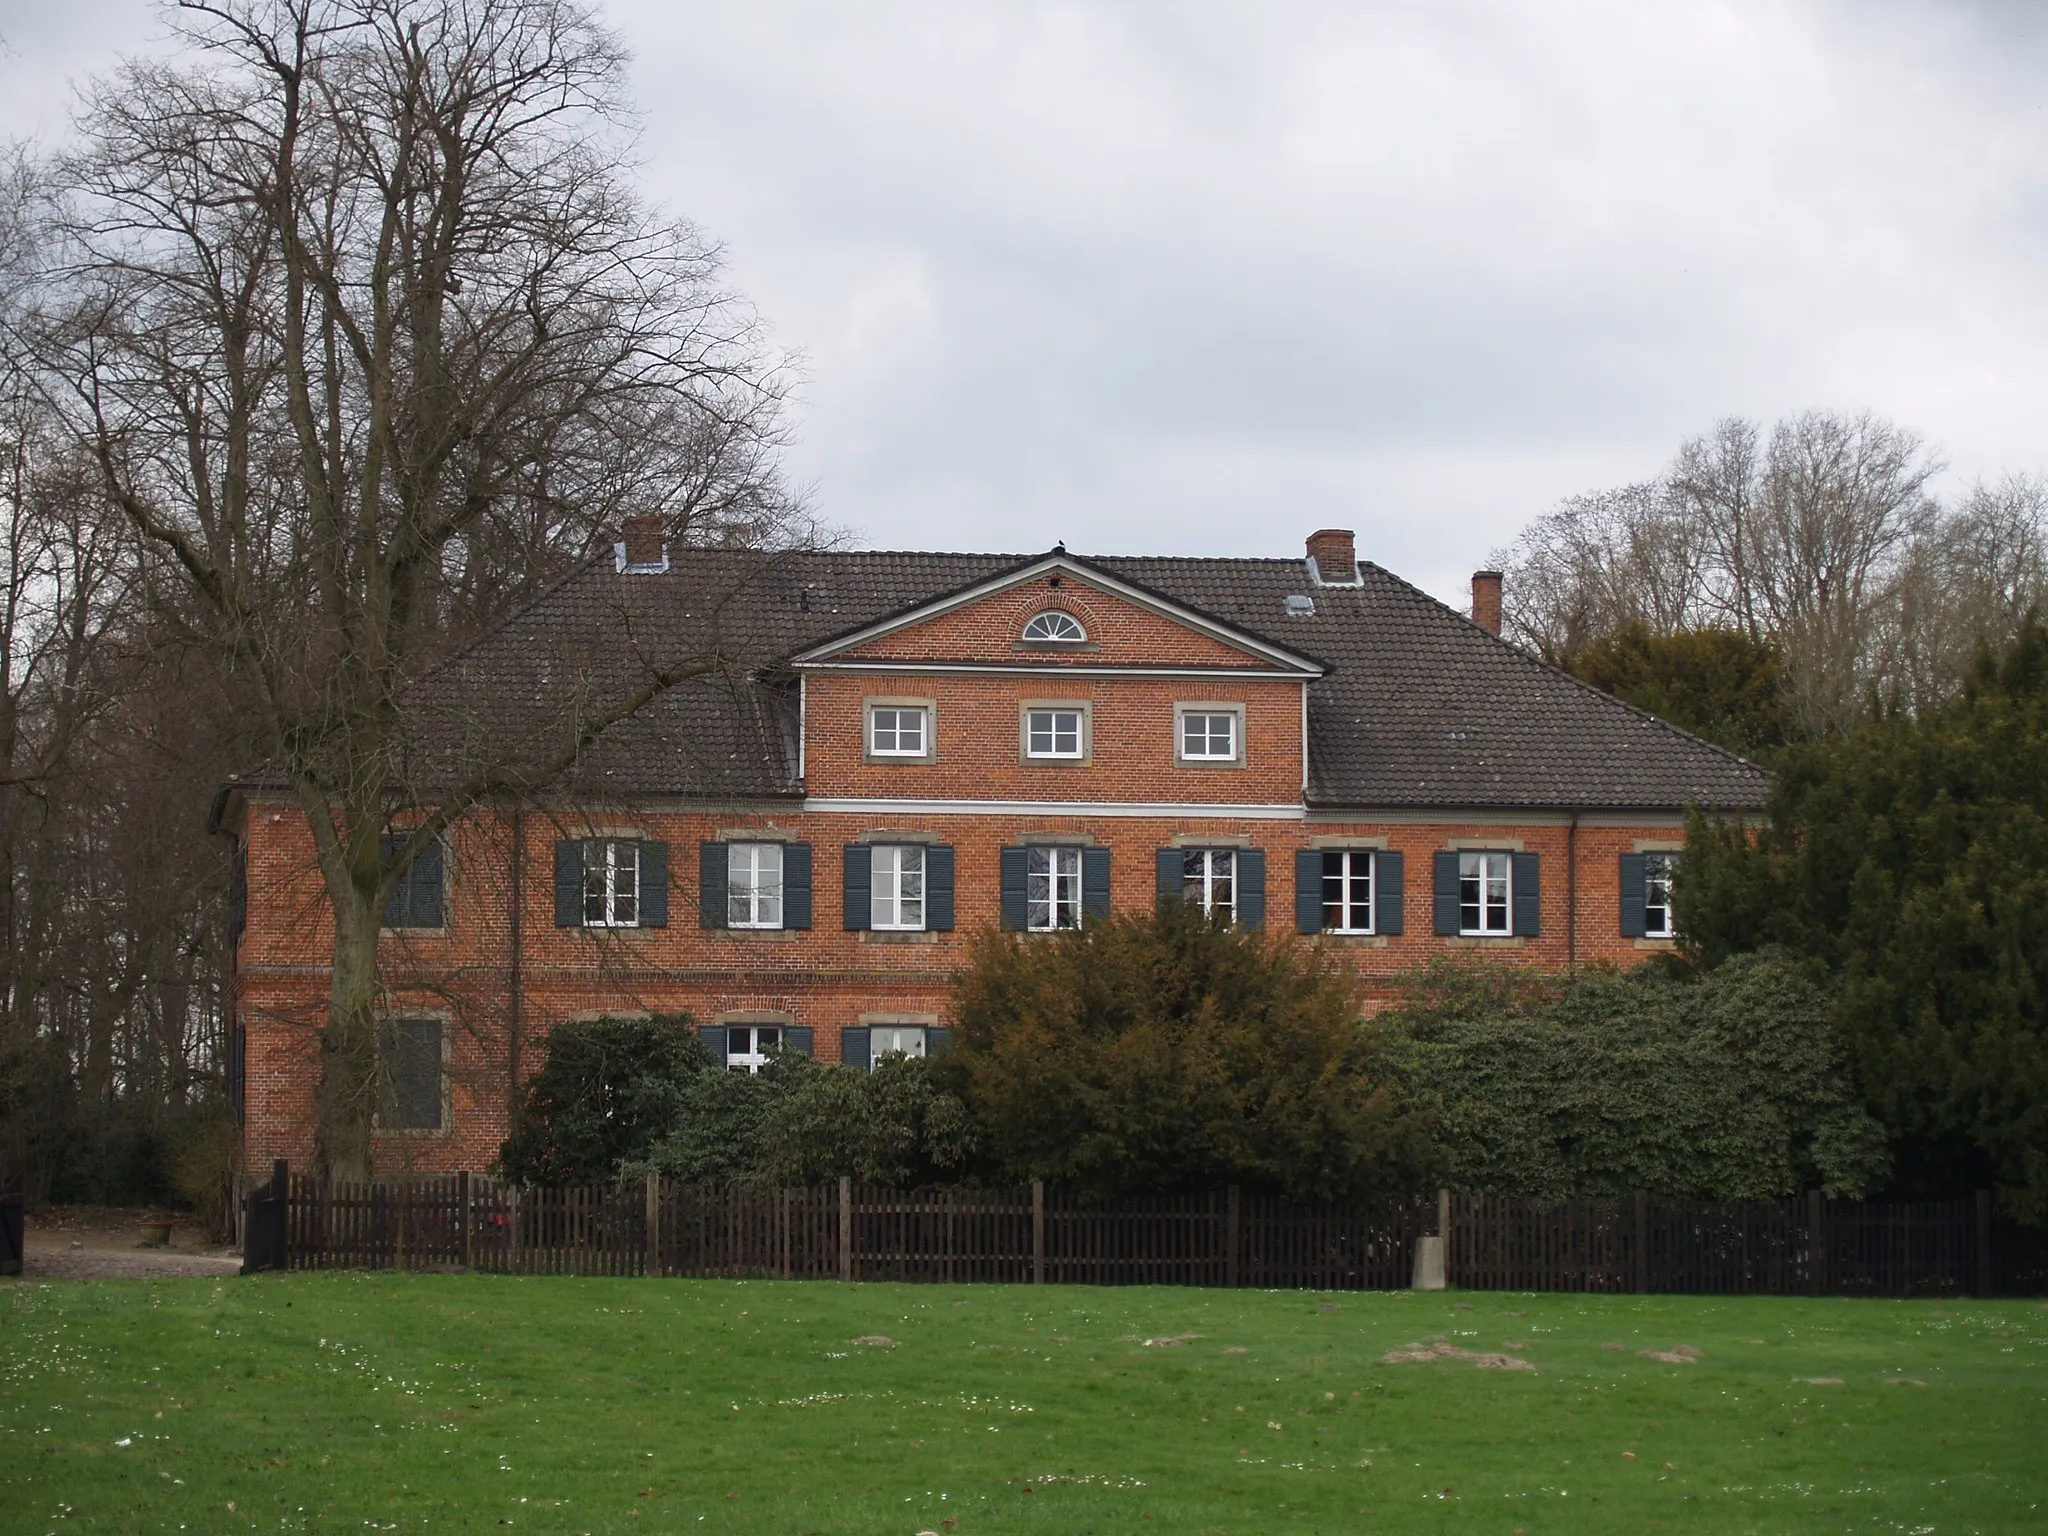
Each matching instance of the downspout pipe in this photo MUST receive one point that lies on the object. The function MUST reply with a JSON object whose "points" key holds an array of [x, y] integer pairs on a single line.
{"points": [[1571, 896], [515, 990]]}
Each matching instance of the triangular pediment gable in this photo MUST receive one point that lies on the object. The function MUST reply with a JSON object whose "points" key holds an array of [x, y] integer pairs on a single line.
{"points": [[1124, 625]]}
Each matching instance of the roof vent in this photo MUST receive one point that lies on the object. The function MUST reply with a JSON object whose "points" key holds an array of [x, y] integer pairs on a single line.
{"points": [[1300, 605]]}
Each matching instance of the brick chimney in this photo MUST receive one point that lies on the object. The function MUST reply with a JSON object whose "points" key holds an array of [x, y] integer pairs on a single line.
{"points": [[1486, 600], [641, 548], [1335, 553]]}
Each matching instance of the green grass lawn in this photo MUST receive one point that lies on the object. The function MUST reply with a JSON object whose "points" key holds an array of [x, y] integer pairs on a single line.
{"points": [[452, 1402]]}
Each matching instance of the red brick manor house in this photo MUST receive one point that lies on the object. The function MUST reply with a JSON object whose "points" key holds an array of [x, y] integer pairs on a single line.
{"points": [[898, 748]]}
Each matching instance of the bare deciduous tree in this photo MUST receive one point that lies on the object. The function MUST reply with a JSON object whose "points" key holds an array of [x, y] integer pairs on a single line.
{"points": [[368, 336], [1820, 538]]}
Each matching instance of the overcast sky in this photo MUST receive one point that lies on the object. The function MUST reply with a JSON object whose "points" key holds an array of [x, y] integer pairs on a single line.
{"points": [[1199, 278]]}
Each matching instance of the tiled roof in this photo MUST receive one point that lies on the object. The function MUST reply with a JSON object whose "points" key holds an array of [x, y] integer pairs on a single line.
{"points": [[1419, 709]]}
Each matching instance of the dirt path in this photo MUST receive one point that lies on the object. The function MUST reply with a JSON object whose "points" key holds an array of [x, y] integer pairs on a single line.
{"points": [[100, 1243]]}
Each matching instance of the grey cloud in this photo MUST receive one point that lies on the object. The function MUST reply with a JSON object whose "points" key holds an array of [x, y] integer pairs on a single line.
{"points": [[1200, 277]]}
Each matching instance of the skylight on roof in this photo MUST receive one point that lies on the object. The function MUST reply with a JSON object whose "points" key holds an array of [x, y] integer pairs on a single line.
{"points": [[1300, 605]]}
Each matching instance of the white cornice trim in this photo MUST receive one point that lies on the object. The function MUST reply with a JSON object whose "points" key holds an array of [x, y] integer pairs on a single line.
{"points": [[869, 806], [1297, 665], [1046, 669]]}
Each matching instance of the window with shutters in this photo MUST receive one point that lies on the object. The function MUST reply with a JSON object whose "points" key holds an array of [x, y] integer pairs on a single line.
{"points": [[900, 731], [897, 895], [417, 900], [611, 883], [753, 885], [1347, 890], [411, 1075], [1657, 921], [1056, 733], [1484, 894], [896, 1040], [1209, 880], [1210, 734], [1053, 895], [750, 1047]]}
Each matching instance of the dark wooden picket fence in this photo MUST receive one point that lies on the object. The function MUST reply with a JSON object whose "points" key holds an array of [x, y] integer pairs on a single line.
{"points": [[10, 1234], [1032, 1234]]}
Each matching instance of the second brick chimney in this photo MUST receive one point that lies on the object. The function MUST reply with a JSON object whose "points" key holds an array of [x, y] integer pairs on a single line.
{"points": [[1486, 600], [1335, 554], [640, 547]]}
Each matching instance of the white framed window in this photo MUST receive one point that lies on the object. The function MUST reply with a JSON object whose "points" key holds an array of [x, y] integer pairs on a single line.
{"points": [[753, 885], [1209, 880], [1054, 628], [1209, 736], [750, 1047], [1657, 919], [1052, 889], [895, 1039], [611, 883], [1056, 733], [1485, 906], [1347, 890], [897, 891], [899, 730]]}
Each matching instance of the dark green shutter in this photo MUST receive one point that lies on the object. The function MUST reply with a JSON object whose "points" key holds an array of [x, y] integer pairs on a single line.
{"points": [[713, 1035], [654, 885], [430, 882], [798, 1038], [859, 887], [569, 883], [1172, 883], [711, 873], [1014, 868], [410, 1057], [1386, 892], [1635, 876], [1251, 888], [416, 895], [796, 885], [1095, 897], [938, 888], [935, 1040], [1528, 894], [856, 1048], [1308, 890], [395, 905], [1447, 921]]}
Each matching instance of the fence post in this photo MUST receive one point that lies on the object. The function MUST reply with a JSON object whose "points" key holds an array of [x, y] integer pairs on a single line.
{"points": [[650, 1258], [1986, 1278], [1038, 1231], [281, 1191], [467, 1202], [845, 1227], [1230, 1231], [1642, 1241], [514, 1199], [1443, 1231], [1816, 1244]]}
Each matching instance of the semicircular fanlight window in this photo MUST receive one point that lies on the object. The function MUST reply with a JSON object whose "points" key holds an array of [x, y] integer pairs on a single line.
{"points": [[1055, 626]]}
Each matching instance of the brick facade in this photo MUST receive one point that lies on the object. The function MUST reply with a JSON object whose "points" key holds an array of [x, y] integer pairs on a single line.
{"points": [[502, 973]]}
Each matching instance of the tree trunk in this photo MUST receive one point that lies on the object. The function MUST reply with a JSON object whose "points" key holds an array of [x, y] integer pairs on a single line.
{"points": [[347, 1098]]}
